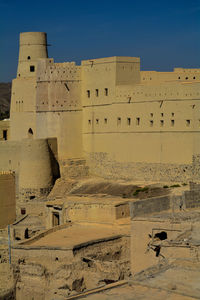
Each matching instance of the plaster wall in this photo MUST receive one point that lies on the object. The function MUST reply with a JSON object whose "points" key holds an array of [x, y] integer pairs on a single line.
{"points": [[4, 129], [7, 199], [142, 257]]}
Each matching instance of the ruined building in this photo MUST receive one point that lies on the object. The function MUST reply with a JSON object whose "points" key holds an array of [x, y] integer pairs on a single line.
{"points": [[106, 116]]}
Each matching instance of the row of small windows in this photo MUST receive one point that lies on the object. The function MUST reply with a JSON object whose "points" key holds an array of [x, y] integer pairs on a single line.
{"points": [[137, 120], [186, 78], [97, 92]]}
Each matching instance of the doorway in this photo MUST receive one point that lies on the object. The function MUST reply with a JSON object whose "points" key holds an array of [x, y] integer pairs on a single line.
{"points": [[55, 219]]}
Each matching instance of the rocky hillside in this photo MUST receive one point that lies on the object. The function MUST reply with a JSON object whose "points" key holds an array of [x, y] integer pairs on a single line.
{"points": [[5, 95]]}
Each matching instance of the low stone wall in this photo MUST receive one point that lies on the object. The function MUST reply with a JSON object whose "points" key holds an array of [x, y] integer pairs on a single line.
{"points": [[73, 168], [150, 206], [102, 165], [192, 199]]}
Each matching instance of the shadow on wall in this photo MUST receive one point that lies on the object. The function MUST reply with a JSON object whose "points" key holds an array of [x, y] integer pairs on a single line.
{"points": [[54, 163]]}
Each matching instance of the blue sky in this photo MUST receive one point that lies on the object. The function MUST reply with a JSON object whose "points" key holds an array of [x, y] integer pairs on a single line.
{"points": [[164, 34]]}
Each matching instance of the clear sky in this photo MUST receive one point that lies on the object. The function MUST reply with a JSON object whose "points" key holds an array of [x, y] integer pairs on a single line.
{"points": [[164, 34]]}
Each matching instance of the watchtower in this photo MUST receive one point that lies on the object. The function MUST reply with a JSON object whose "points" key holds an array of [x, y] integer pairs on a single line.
{"points": [[33, 45]]}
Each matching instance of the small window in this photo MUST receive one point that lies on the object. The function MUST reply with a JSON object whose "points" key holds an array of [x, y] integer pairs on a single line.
{"points": [[88, 93], [137, 121], [194, 77], [28, 57], [172, 114], [186, 78], [172, 123], [106, 92], [32, 68], [188, 123], [161, 123], [129, 121], [162, 114], [97, 92], [97, 121], [89, 122], [23, 211], [118, 121], [151, 123], [151, 114], [105, 121], [5, 135], [179, 77]]}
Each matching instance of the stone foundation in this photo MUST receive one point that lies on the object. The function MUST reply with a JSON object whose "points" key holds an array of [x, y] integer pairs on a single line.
{"points": [[102, 165]]}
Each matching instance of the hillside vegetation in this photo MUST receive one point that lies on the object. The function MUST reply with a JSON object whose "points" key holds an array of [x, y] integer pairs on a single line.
{"points": [[5, 95]]}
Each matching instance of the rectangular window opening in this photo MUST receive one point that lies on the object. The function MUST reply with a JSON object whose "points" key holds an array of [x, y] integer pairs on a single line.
{"points": [[5, 135], [172, 122], [89, 122], [137, 121], [188, 123], [151, 114], [88, 93], [129, 121], [151, 123], [97, 92], [32, 68], [161, 123], [106, 91], [97, 121], [105, 121]]}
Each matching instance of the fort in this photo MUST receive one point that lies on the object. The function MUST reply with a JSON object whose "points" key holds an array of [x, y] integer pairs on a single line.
{"points": [[90, 156]]}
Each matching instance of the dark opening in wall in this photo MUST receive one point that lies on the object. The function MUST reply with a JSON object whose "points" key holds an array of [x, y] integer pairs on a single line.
{"points": [[151, 114], [172, 122], [137, 121], [26, 235], [97, 121], [161, 235], [179, 77], [30, 133], [129, 121], [89, 122], [172, 114], [162, 114], [88, 93], [105, 121], [28, 57], [194, 77], [23, 211], [118, 121], [5, 135], [151, 123], [32, 68], [161, 123], [97, 92], [106, 91], [186, 78], [188, 123], [32, 197]]}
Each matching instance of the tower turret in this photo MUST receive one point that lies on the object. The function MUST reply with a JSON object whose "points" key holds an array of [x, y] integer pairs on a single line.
{"points": [[33, 45]]}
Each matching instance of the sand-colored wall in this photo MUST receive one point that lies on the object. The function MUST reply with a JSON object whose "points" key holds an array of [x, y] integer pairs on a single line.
{"points": [[142, 257], [7, 199], [4, 129]]}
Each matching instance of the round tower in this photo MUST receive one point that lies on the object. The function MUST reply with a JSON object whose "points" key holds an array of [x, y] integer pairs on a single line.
{"points": [[35, 173], [33, 45]]}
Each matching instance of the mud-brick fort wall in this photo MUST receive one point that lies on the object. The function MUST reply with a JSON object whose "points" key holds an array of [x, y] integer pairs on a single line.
{"points": [[58, 104], [142, 127], [7, 198], [4, 130]]}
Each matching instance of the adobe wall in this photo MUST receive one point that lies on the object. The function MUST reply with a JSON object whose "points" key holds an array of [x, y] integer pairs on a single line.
{"points": [[142, 127], [32, 163], [4, 130], [58, 104], [7, 199]]}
